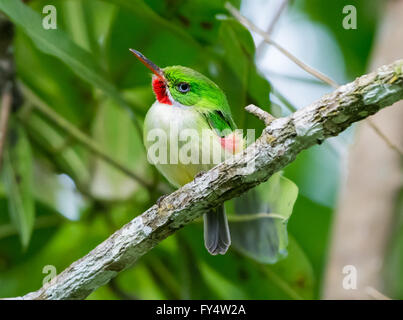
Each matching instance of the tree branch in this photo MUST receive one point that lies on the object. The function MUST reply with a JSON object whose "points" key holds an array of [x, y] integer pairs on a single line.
{"points": [[390, 144], [266, 38], [278, 146], [264, 116], [270, 28]]}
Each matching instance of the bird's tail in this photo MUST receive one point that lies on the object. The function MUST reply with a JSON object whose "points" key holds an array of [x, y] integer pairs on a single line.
{"points": [[217, 238]]}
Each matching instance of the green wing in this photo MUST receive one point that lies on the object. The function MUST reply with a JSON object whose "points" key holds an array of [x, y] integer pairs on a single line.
{"points": [[221, 122]]}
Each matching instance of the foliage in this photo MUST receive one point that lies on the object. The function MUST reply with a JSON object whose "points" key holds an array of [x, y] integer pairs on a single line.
{"points": [[355, 45]]}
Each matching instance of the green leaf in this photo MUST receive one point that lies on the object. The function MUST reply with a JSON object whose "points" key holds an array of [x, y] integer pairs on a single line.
{"points": [[354, 44], [58, 191], [196, 17], [192, 284], [11, 254], [231, 276], [167, 47], [70, 159], [294, 275], [311, 226], [18, 181], [308, 170], [139, 7], [393, 265], [116, 134], [57, 43], [237, 50], [58, 244], [259, 226]]}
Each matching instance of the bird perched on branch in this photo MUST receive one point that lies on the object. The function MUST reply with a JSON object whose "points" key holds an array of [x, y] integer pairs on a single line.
{"points": [[193, 114]]}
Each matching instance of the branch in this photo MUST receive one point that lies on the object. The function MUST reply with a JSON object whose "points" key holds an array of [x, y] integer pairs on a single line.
{"points": [[266, 38], [264, 116], [390, 144], [270, 28], [278, 146], [375, 294]]}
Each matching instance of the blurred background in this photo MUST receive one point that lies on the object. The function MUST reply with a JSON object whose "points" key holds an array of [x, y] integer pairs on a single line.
{"points": [[74, 168]]}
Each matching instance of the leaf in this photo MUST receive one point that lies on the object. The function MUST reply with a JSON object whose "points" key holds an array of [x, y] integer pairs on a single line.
{"points": [[58, 245], [58, 191], [18, 181], [393, 265], [259, 226], [355, 44], [139, 7], [46, 223], [116, 134], [311, 226], [294, 275], [237, 50], [57, 43], [167, 47], [196, 17], [62, 90], [231, 276], [192, 284], [70, 159], [309, 169]]}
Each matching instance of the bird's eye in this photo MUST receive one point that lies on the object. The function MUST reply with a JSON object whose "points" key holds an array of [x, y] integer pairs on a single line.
{"points": [[183, 87]]}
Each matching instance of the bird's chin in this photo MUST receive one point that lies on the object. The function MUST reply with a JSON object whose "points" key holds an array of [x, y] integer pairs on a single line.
{"points": [[161, 91]]}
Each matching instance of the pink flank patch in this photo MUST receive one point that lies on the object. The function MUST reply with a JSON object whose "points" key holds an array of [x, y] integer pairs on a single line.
{"points": [[160, 91], [231, 143]]}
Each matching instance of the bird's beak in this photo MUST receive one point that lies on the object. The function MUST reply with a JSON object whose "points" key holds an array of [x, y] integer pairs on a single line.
{"points": [[149, 64]]}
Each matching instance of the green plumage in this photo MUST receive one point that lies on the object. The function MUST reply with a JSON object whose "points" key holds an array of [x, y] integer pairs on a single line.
{"points": [[204, 96]]}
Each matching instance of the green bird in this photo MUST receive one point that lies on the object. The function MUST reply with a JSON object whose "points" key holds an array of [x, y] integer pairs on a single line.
{"points": [[187, 101]]}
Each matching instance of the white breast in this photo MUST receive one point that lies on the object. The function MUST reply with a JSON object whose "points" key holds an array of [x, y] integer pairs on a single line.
{"points": [[175, 122]]}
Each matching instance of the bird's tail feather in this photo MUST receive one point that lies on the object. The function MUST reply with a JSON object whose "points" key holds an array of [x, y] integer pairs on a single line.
{"points": [[217, 237]]}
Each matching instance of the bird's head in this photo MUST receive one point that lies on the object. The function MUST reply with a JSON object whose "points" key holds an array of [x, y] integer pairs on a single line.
{"points": [[177, 85]]}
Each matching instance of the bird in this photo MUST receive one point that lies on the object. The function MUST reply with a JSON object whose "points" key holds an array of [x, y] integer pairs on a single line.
{"points": [[189, 102]]}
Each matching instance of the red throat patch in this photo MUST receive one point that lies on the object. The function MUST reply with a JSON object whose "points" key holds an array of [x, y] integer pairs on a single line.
{"points": [[160, 91]]}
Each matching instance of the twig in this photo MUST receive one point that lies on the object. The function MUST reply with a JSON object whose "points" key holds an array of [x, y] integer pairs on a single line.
{"points": [[267, 39], [246, 217], [88, 142], [266, 117], [83, 139], [283, 99], [6, 104], [384, 137], [277, 147], [270, 28], [375, 294], [304, 79], [251, 217]]}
